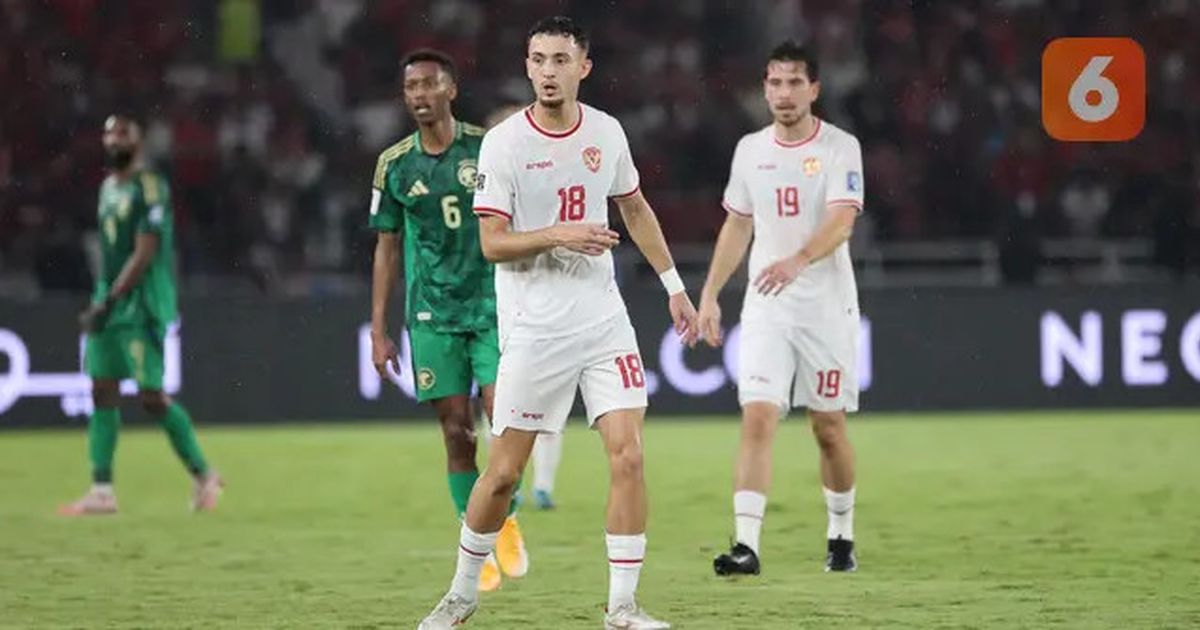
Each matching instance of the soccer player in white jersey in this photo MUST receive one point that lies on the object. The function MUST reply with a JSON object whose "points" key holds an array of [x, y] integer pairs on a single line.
{"points": [[545, 177], [795, 189]]}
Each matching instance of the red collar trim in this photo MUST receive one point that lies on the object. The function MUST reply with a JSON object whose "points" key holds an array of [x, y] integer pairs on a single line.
{"points": [[558, 135], [793, 145]]}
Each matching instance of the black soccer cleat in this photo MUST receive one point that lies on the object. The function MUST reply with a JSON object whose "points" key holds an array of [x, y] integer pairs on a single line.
{"points": [[741, 560], [841, 556]]}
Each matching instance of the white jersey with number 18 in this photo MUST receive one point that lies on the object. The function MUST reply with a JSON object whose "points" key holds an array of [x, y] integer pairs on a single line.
{"points": [[787, 188], [536, 178]]}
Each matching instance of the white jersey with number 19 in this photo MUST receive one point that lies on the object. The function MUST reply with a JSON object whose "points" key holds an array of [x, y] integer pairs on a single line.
{"points": [[787, 188], [536, 178]]}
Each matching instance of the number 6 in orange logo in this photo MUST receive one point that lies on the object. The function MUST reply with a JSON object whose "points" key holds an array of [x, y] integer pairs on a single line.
{"points": [[1093, 89]]}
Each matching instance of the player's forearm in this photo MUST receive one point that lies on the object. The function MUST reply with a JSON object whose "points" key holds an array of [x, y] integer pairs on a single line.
{"points": [[832, 232], [730, 249], [134, 268], [646, 233], [383, 278], [502, 245]]}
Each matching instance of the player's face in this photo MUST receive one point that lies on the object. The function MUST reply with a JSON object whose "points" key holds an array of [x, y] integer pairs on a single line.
{"points": [[428, 91], [121, 140], [788, 91], [556, 65]]}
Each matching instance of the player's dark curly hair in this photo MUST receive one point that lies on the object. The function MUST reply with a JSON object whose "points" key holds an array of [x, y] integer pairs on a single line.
{"points": [[429, 54], [792, 51], [560, 25]]}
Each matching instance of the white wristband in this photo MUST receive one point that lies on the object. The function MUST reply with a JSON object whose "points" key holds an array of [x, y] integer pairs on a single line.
{"points": [[671, 281]]}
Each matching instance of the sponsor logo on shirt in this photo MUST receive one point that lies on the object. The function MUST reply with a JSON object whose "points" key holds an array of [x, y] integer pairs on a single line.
{"points": [[853, 181], [529, 415], [766, 167], [539, 165], [418, 188], [591, 158]]}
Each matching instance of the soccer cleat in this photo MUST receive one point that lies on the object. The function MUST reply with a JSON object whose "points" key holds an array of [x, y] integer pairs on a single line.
{"points": [[631, 617], [489, 575], [741, 560], [94, 503], [841, 556], [206, 491], [450, 612], [543, 500], [510, 549]]}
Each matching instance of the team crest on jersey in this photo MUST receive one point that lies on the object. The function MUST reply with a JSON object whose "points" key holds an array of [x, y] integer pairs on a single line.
{"points": [[591, 158], [123, 207], [467, 173], [425, 379], [812, 166]]}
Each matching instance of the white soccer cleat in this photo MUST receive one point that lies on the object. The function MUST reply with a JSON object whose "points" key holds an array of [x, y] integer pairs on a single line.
{"points": [[632, 617], [94, 503], [452, 611], [206, 491]]}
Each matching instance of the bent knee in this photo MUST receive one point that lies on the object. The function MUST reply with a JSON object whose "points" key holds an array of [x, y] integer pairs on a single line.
{"points": [[829, 427], [155, 403], [626, 462]]}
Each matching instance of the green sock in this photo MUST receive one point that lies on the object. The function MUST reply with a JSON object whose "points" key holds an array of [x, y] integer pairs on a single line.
{"points": [[178, 426], [102, 442], [461, 484]]}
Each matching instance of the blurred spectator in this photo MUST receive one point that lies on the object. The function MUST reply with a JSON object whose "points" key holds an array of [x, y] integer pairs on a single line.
{"points": [[267, 115]]}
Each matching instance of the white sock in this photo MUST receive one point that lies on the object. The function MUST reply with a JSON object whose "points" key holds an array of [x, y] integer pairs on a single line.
{"points": [[840, 506], [547, 453], [625, 557], [473, 550], [103, 488], [748, 510]]}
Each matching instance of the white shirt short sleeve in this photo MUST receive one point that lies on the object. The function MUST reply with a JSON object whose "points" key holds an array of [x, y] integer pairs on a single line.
{"points": [[737, 196], [494, 183], [626, 180], [845, 184]]}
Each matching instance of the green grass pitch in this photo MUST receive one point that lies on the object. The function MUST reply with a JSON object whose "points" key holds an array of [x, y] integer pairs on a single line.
{"points": [[1081, 520]]}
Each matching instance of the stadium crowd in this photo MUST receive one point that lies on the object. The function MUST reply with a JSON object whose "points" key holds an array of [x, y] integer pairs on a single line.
{"points": [[267, 115]]}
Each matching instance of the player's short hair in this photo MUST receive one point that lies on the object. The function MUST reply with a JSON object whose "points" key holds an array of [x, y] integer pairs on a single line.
{"points": [[435, 56], [791, 51], [560, 25]]}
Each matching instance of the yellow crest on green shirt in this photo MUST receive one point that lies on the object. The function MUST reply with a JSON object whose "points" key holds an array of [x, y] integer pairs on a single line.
{"points": [[467, 169], [123, 206]]}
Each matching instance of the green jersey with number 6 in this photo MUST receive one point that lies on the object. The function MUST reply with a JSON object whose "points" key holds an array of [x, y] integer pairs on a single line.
{"points": [[137, 205], [449, 284]]}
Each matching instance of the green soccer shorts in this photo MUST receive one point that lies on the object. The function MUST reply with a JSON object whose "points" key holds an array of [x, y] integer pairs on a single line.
{"points": [[122, 352], [445, 363]]}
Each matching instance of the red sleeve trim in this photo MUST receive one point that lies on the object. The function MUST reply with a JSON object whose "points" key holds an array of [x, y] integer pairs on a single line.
{"points": [[729, 208], [492, 212], [628, 194]]}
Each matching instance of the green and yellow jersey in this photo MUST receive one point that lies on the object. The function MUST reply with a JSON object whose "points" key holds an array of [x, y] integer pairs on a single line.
{"points": [[449, 283], [139, 204]]}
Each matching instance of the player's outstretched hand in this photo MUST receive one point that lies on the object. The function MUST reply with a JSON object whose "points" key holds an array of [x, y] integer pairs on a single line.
{"points": [[709, 321], [591, 239], [383, 351], [92, 318], [775, 278], [683, 314]]}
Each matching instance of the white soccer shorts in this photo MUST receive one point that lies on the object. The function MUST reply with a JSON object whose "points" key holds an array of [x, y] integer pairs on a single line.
{"points": [[537, 378], [808, 366]]}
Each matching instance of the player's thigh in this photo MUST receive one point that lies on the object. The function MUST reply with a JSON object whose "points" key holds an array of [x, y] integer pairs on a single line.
{"points": [[827, 375], [441, 367], [613, 377], [145, 348], [483, 348], [535, 384], [105, 355], [766, 366]]}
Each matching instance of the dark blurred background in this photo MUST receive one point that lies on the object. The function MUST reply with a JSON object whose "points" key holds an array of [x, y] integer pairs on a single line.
{"points": [[267, 117]]}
